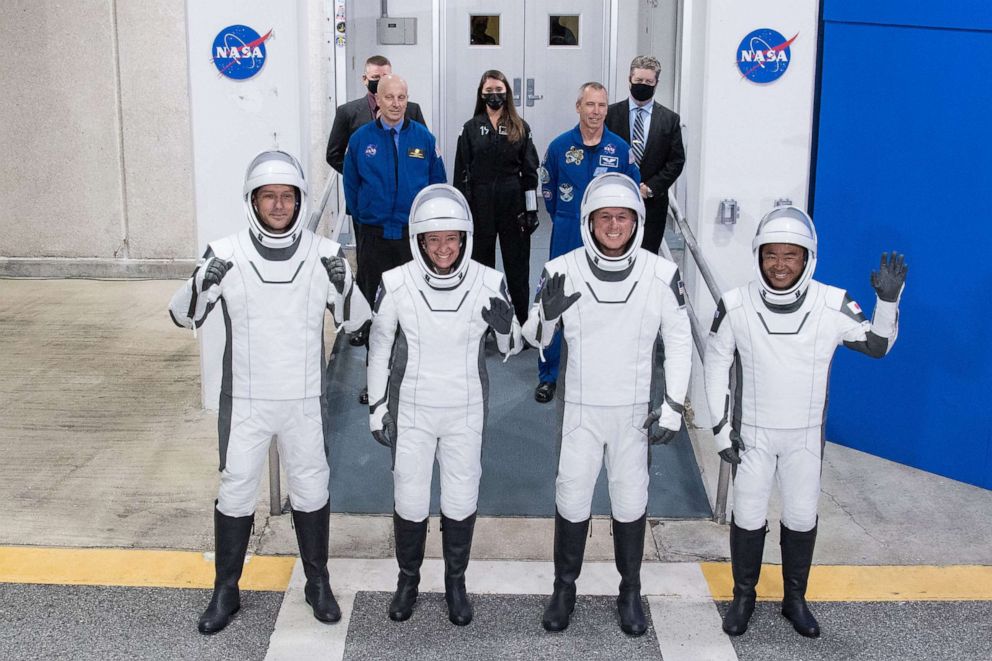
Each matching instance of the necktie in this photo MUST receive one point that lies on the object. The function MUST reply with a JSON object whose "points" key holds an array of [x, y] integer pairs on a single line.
{"points": [[637, 136]]}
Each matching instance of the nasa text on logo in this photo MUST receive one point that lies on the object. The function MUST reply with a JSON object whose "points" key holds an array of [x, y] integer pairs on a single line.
{"points": [[239, 52], [764, 55]]}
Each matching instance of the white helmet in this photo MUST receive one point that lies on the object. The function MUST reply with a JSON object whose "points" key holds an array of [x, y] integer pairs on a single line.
{"points": [[275, 167], [611, 190], [786, 224], [440, 208]]}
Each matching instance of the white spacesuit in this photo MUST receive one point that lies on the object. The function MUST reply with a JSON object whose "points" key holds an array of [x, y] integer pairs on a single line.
{"points": [[611, 305], [784, 340], [273, 286], [428, 388]]}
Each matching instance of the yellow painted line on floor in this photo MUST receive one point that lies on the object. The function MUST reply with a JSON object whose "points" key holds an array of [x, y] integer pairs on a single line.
{"points": [[131, 567], [866, 583]]}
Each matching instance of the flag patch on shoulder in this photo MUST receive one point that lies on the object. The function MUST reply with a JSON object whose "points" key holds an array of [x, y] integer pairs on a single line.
{"points": [[854, 307]]}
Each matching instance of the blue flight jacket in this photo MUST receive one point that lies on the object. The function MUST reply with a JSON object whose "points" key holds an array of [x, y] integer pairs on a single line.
{"points": [[567, 169], [381, 180]]}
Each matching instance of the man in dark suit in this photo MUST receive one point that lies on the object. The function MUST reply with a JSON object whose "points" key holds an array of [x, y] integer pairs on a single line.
{"points": [[351, 116], [354, 114], [655, 136]]}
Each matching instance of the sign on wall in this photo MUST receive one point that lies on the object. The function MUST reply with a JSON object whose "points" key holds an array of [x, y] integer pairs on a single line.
{"points": [[239, 51], [764, 55]]}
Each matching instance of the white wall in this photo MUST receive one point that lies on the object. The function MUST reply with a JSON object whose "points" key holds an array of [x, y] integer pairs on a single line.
{"points": [[414, 63], [95, 125], [745, 141]]}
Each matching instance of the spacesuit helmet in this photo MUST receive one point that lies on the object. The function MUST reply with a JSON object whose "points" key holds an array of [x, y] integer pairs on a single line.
{"points": [[275, 167], [441, 208], [611, 190], [785, 224]]}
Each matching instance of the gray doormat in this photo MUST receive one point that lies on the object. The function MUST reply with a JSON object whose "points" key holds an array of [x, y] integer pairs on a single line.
{"points": [[519, 454]]}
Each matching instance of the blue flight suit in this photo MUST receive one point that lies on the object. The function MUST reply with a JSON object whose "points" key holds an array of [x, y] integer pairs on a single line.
{"points": [[568, 167]]}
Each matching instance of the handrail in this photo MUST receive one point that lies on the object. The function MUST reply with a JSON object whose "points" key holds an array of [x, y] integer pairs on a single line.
{"points": [[318, 213], [723, 478]]}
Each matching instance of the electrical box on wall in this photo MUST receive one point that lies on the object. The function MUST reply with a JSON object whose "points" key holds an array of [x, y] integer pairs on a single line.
{"points": [[397, 31]]}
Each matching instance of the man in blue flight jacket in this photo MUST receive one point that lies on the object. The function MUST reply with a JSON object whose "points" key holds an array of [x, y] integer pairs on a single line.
{"points": [[573, 159], [387, 163]]}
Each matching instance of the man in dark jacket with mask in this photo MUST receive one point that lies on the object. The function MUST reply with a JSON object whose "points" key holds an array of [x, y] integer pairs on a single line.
{"points": [[655, 136], [354, 114]]}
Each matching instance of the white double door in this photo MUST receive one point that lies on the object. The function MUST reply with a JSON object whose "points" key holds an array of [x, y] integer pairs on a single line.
{"points": [[545, 48]]}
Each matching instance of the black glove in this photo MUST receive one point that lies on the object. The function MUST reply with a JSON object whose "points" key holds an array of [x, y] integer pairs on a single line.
{"points": [[528, 222], [215, 272], [554, 302], [499, 315], [890, 277], [730, 456], [387, 435], [335, 271], [656, 433]]}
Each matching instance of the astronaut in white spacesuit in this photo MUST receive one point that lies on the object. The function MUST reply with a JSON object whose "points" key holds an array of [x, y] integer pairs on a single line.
{"points": [[428, 387], [611, 299], [273, 280], [784, 327]]}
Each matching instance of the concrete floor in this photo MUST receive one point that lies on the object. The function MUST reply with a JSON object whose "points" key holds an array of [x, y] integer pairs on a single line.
{"points": [[105, 444]]}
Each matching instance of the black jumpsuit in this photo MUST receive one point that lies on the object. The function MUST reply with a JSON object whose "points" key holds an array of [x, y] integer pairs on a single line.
{"points": [[493, 174]]}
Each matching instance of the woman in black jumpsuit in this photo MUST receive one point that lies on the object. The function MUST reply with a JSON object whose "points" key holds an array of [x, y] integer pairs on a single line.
{"points": [[496, 169]]}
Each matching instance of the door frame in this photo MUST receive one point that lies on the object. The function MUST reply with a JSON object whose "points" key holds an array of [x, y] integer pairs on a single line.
{"points": [[439, 29]]}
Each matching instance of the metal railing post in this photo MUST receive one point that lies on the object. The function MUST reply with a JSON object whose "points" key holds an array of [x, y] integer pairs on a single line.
{"points": [[275, 497], [723, 477]]}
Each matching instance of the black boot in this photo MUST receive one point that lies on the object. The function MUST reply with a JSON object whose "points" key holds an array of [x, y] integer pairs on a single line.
{"points": [[797, 556], [628, 549], [311, 534], [570, 547], [231, 535], [411, 536], [456, 542], [746, 549]]}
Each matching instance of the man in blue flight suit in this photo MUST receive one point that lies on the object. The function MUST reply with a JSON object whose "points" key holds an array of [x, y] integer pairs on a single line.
{"points": [[573, 159], [387, 163]]}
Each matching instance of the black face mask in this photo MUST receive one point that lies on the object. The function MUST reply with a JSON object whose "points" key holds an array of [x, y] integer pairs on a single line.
{"points": [[494, 100], [373, 86], [642, 92]]}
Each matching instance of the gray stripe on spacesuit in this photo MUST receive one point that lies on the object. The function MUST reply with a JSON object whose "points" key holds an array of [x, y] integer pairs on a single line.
{"points": [[629, 294], [174, 320], [397, 370], [560, 404], [678, 408], [678, 290], [718, 317], [456, 308], [845, 308], [738, 381], [608, 276], [224, 428], [276, 282], [873, 345], [795, 332], [275, 254], [785, 308], [484, 384], [226, 401], [208, 253]]}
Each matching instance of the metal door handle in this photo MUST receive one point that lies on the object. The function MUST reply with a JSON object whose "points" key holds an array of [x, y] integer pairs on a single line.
{"points": [[531, 97], [516, 91]]}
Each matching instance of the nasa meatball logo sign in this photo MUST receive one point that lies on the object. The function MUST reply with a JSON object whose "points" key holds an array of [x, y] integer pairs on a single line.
{"points": [[764, 55], [239, 52]]}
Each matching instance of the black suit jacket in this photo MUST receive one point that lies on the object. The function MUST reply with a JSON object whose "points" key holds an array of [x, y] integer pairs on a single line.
{"points": [[349, 118], [664, 155]]}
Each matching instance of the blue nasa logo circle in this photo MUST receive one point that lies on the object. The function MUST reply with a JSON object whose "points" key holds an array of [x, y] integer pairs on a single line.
{"points": [[764, 55], [239, 52]]}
